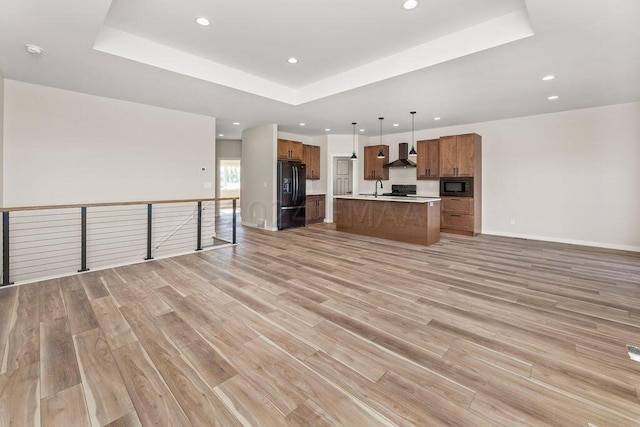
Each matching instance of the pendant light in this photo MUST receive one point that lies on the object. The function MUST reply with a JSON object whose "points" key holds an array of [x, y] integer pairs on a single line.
{"points": [[353, 156], [381, 152], [413, 151]]}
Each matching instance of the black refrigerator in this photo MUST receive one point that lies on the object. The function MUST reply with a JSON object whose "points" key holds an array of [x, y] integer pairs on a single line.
{"points": [[292, 194]]}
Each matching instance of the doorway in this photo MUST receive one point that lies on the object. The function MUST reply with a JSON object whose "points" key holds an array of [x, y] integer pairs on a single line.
{"points": [[229, 178], [342, 176]]}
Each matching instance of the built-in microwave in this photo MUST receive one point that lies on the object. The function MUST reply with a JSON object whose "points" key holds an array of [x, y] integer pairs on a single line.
{"points": [[460, 187]]}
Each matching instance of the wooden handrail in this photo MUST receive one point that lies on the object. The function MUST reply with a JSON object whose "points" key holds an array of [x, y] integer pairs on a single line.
{"points": [[96, 205]]}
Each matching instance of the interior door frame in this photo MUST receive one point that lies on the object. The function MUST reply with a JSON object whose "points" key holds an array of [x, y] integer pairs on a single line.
{"points": [[331, 177]]}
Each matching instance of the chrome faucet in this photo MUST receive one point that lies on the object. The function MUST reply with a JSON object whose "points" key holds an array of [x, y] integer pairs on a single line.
{"points": [[375, 193]]}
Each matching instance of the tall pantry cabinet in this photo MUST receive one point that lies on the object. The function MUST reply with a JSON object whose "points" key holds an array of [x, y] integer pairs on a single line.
{"points": [[461, 156]]}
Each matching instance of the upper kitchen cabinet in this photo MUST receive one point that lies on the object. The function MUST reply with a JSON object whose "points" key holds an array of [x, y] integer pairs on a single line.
{"points": [[428, 161], [460, 155], [311, 157], [289, 150], [373, 166]]}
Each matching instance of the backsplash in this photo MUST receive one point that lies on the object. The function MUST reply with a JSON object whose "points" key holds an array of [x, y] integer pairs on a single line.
{"points": [[429, 187], [316, 186]]}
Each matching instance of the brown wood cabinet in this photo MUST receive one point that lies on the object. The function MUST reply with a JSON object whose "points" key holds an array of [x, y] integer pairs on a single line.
{"points": [[460, 215], [428, 161], [315, 206], [402, 221], [459, 154], [373, 166], [289, 150], [311, 157]]}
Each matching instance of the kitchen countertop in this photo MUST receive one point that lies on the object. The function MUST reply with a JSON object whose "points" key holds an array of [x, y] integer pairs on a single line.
{"points": [[404, 199]]}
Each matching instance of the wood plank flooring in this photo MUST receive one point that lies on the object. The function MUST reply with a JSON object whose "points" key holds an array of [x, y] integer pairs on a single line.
{"points": [[316, 327]]}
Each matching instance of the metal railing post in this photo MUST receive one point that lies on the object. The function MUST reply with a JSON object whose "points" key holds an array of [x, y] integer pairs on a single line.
{"points": [[5, 249], [199, 243], [83, 250], [233, 239], [149, 230]]}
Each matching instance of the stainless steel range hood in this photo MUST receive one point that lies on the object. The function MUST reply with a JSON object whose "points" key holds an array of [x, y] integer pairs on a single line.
{"points": [[403, 161]]}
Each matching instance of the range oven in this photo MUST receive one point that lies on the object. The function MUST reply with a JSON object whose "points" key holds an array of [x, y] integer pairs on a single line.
{"points": [[460, 187]]}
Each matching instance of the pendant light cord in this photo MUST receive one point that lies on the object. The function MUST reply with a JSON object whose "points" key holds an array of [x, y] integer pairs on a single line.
{"points": [[413, 151], [381, 152], [354, 156]]}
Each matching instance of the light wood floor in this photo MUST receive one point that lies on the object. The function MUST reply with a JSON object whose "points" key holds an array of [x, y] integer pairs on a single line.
{"points": [[316, 327]]}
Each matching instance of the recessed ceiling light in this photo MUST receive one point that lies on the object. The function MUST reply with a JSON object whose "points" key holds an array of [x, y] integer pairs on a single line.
{"points": [[437, 118], [553, 97], [32, 48], [549, 77], [303, 124], [203, 21], [361, 130], [395, 125], [236, 123], [221, 134], [292, 60], [409, 4], [327, 130]]}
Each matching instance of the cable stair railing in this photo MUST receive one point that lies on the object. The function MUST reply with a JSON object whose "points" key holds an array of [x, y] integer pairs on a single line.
{"points": [[42, 242]]}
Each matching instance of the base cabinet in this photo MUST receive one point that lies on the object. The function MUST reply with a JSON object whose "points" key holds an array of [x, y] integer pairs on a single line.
{"points": [[315, 208], [407, 222], [459, 215]]}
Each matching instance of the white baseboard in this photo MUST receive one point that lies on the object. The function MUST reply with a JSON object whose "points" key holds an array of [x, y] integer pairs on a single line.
{"points": [[562, 240], [254, 225]]}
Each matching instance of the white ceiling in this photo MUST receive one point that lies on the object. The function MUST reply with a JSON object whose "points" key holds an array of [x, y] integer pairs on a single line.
{"points": [[464, 60]]}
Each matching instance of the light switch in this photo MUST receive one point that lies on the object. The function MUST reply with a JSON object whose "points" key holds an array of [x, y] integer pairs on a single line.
{"points": [[207, 185]]}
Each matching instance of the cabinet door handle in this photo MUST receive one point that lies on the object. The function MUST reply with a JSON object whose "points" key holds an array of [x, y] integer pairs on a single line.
{"points": [[455, 215]]}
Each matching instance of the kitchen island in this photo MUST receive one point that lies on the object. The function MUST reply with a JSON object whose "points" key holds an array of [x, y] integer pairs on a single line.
{"points": [[404, 219]]}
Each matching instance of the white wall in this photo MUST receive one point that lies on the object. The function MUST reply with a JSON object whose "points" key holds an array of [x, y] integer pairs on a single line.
{"points": [[569, 177], [258, 177], [1, 139], [66, 147], [231, 149], [295, 137]]}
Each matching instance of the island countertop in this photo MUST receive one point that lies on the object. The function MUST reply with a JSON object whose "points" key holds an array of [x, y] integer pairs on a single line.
{"points": [[401, 218], [404, 199]]}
